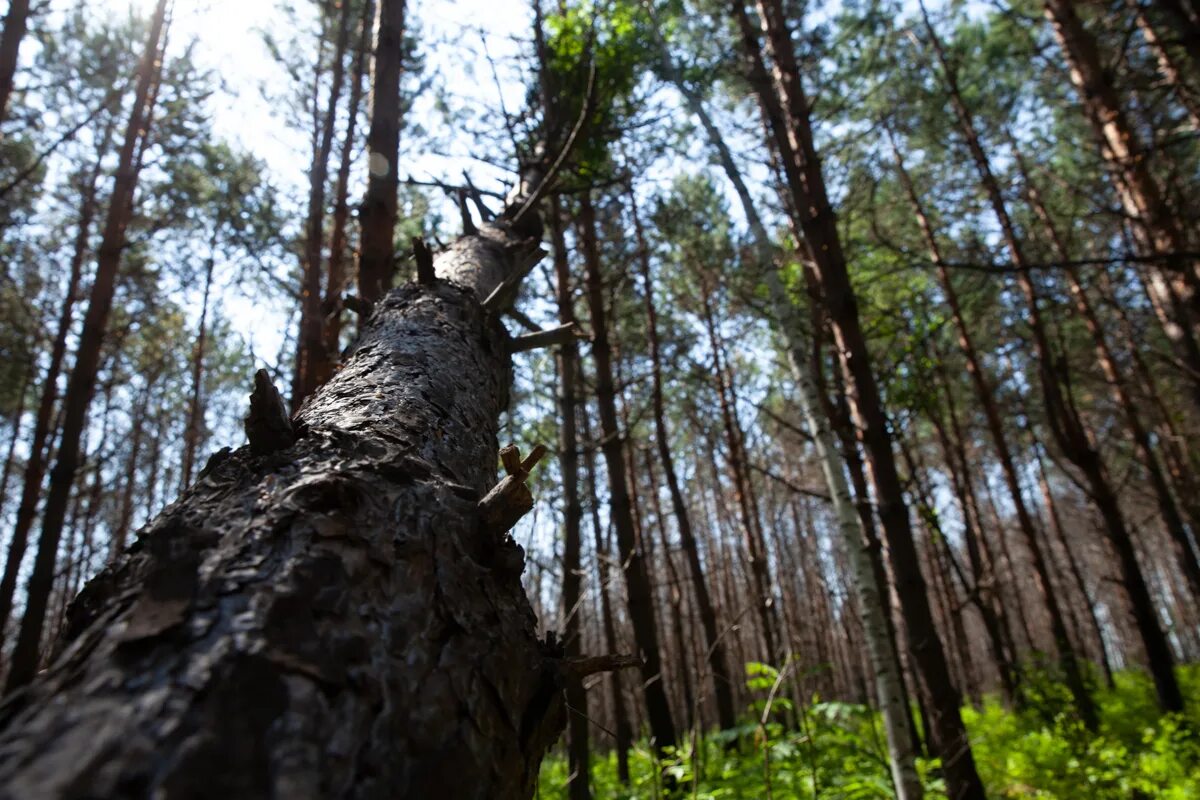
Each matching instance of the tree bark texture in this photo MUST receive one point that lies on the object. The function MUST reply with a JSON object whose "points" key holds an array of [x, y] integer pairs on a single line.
{"points": [[331, 619]]}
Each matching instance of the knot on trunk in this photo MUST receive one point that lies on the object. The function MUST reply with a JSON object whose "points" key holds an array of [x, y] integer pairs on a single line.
{"points": [[268, 426]]}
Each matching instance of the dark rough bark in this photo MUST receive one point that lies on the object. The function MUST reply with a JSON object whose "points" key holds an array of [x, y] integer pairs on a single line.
{"points": [[15, 23], [87, 359], [329, 619], [637, 579], [378, 214]]}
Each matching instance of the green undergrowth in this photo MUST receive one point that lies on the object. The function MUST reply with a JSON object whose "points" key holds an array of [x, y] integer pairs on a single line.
{"points": [[836, 750]]}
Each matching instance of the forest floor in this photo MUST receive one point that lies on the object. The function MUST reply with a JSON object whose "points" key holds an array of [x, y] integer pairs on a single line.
{"points": [[836, 751]]}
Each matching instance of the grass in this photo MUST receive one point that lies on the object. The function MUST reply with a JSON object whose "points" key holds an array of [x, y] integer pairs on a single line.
{"points": [[836, 751]]}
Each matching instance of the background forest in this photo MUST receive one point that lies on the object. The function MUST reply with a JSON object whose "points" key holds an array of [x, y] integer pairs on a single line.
{"points": [[866, 349]]}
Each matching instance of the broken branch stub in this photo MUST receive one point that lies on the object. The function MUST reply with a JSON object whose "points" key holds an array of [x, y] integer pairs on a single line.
{"points": [[510, 499]]}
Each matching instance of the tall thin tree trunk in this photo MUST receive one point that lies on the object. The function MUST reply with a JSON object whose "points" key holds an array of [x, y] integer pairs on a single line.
{"points": [[579, 780], [194, 430], [788, 116], [44, 423], [716, 657], [1176, 279], [14, 435], [985, 395], [637, 579], [310, 341], [1167, 65], [623, 731], [1068, 429], [756, 553], [860, 542], [378, 213], [335, 276], [16, 20]]}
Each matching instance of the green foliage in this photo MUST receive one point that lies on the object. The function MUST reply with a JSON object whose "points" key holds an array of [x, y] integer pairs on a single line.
{"points": [[616, 44], [837, 750]]}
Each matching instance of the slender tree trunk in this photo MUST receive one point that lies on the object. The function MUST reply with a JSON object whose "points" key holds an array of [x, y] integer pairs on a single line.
{"points": [[637, 579], [1186, 557], [137, 435], [714, 647], [1068, 429], [194, 430], [579, 780], [751, 535], [985, 395], [982, 591], [15, 23], [1176, 279], [44, 422], [1167, 65], [788, 116], [860, 542], [1073, 565], [378, 214], [335, 279], [14, 436], [310, 342], [623, 731]]}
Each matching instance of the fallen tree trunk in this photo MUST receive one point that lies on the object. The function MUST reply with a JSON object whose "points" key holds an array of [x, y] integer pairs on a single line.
{"points": [[327, 612]]}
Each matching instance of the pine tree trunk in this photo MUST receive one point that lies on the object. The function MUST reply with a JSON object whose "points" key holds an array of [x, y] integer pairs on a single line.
{"points": [[637, 580], [310, 342], [717, 659], [378, 214], [1072, 437], [194, 429], [337, 617], [985, 395], [579, 780], [82, 382], [1176, 279], [789, 120], [623, 739], [35, 464], [1172, 518], [16, 20], [335, 277]]}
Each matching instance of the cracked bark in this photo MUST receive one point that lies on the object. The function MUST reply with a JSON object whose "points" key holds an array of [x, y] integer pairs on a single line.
{"points": [[325, 620]]}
